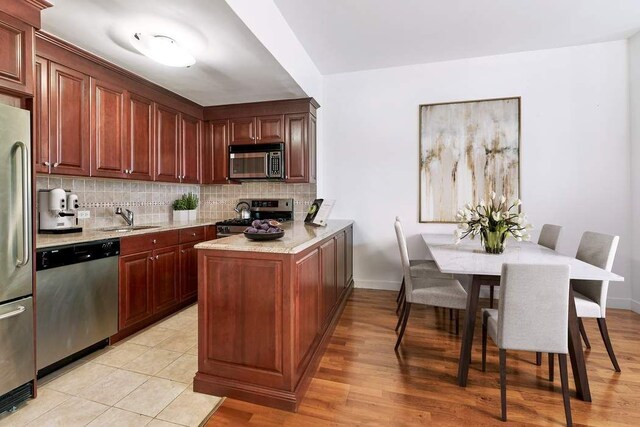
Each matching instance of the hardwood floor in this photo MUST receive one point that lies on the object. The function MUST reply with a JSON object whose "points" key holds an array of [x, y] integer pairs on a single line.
{"points": [[361, 380]]}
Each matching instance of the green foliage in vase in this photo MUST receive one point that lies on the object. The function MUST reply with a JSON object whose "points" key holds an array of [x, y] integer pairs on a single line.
{"points": [[186, 202], [495, 217]]}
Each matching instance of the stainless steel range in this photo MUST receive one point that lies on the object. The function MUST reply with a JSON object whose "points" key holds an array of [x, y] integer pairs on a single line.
{"points": [[278, 209]]}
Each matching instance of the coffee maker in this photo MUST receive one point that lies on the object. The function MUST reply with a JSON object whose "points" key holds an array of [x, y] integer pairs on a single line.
{"points": [[57, 211]]}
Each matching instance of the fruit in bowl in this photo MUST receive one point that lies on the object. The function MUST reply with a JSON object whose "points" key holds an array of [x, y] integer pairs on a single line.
{"points": [[264, 229]]}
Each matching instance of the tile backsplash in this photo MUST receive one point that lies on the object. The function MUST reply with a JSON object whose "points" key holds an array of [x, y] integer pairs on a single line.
{"points": [[151, 201]]}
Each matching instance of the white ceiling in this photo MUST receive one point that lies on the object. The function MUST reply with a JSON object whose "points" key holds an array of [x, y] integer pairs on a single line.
{"points": [[232, 65], [350, 35]]}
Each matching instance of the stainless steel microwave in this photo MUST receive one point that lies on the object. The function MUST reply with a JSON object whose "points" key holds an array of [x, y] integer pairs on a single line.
{"points": [[256, 161]]}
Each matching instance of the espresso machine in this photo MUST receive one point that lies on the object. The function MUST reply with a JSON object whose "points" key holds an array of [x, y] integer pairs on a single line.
{"points": [[57, 210]]}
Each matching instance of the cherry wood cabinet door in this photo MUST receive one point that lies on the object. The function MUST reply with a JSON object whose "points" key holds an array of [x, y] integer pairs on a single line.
{"points": [[215, 153], [69, 120], [243, 131], [188, 271], [341, 262], [140, 137], [190, 146], [166, 266], [311, 148], [270, 129], [296, 148], [349, 251], [41, 117], [108, 131], [135, 289], [16, 55], [328, 274], [307, 309], [167, 144]]}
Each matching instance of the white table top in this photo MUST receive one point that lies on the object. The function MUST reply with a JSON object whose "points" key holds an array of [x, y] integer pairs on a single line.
{"points": [[468, 257]]}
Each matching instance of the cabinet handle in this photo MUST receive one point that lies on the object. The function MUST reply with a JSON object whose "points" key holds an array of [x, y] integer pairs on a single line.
{"points": [[47, 163], [151, 258], [193, 234], [154, 241], [156, 256], [55, 165], [183, 251]]}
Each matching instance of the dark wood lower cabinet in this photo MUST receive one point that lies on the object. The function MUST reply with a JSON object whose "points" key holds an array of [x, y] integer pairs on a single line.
{"points": [[265, 319], [158, 276]]}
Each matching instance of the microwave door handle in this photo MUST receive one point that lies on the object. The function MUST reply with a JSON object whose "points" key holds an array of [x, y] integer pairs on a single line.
{"points": [[267, 158]]}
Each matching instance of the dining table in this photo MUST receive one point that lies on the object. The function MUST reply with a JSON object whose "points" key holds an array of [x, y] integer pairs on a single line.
{"points": [[469, 258]]}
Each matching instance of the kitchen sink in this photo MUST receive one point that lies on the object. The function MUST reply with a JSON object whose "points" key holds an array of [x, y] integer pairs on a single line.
{"points": [[126, 229]]}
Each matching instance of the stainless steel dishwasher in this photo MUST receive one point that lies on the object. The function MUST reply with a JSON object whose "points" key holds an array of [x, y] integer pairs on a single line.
{"points": [[76, 299]]}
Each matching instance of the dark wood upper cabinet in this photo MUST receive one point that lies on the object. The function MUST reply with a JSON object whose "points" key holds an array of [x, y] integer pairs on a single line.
{"points": [[136, 287], [215, 162], [311, 150], [270, 129], [190, 148], [167, 144], [243, 131], [16, 55], [69, 121], [41, 117], [108, 131], [140, 137], [296, 147]]}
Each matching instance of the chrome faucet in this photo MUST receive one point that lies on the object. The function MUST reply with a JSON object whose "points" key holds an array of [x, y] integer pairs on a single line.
{"points": [[128, 217]]}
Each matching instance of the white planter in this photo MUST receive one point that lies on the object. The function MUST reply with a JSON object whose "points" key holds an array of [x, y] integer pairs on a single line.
{"points": [[180, 216], [193, 213]]}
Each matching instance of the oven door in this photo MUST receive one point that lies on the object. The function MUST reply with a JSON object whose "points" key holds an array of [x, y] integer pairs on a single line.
{"points": [[249, 165]]}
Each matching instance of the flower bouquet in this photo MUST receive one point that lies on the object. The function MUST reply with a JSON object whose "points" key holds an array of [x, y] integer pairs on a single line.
{"points": [[493, 221]]}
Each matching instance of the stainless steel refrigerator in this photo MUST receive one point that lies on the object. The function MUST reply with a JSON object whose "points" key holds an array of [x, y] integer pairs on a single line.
{"points": [[17, 367]]}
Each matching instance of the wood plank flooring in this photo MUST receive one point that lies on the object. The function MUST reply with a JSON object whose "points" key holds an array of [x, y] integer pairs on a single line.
{"points": [[362, 381]]}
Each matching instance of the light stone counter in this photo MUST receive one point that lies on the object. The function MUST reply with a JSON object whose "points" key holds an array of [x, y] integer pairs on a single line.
{"points": [[297, 238], [90, 235]]}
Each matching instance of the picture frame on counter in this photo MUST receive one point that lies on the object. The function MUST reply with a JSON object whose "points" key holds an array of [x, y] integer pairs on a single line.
{"points": [[319, 212]]}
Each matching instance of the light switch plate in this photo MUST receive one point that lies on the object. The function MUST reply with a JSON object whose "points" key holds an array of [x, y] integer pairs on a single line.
{"points": [[84, 214]]}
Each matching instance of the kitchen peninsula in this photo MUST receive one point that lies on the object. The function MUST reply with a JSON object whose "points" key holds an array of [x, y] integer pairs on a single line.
{"points": [[267, 309]]}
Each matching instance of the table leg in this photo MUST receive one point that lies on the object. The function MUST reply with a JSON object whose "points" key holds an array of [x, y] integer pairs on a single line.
{"points": [[576, 353], [467, 334]]}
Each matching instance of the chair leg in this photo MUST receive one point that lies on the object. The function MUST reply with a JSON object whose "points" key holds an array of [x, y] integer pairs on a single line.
{"points": [[484, 343], [400, 290], [583, 332], [400, 299], [404, 324], [538, 358], [562, 361], [602, 324], [503, 383], [551, 367], [401, 316], [457, 322], [491, 296]]}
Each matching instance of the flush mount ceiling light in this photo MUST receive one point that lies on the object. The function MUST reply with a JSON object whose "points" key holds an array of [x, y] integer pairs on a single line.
{"points": [[162, 49]]}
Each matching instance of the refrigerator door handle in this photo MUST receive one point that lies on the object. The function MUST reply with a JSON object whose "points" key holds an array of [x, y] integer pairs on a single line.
{"points": [[26, 209], [15, 312]]}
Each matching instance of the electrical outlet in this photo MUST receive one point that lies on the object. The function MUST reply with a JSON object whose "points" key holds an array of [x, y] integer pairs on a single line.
{"points": [[84, 214]]}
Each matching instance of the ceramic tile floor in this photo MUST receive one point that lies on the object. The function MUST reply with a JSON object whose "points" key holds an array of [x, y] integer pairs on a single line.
{"points": [[145, 380]]}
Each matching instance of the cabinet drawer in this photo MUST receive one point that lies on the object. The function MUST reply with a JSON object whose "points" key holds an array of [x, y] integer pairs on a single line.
{"points": [[194, 234], [147, 242]]}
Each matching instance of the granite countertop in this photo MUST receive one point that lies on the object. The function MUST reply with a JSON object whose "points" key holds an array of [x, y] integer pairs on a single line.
{"points": [[89, 235], [297, 238]]}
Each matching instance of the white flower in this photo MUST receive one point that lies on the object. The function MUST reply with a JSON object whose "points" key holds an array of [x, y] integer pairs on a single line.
{"points": [[518, 239], [526, 237], [468, 206], [484, 222], [496, 216], [492, 195], [482, 202], [518, 202], [464, 226], [517, 233], [503, 199]]}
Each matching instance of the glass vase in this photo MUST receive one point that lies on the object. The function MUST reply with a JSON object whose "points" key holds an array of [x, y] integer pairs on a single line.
{"points": [[493, 241]]}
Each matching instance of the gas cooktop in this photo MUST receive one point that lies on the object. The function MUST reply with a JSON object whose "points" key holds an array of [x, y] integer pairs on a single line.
{"points": [[279, 209]]}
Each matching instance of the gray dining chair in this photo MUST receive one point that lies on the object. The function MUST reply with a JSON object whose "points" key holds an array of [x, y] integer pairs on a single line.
{"points": [[435, 291], [419, 268], [549, 236], [532, 316], [591, 295]]}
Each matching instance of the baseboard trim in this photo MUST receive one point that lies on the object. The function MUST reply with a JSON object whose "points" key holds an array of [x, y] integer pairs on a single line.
{"points": [[383, 285], [635, 306], [624, 303]]}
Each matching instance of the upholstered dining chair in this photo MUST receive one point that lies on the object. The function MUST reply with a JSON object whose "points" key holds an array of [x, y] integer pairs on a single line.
{"points": [[591, 295], [532, 316], [419, 268], [436, 291], [549, 236]]}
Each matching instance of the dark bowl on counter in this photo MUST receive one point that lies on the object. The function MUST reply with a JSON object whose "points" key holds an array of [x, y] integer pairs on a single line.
{"points": [[264, 236]]}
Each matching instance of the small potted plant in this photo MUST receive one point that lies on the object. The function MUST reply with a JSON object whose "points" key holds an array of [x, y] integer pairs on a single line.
{"points": [[185, 208], [191, 201], [493, 222]]}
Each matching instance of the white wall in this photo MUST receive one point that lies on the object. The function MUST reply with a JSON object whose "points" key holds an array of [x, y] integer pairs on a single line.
{"points": [[575, 147], [634, 104]]}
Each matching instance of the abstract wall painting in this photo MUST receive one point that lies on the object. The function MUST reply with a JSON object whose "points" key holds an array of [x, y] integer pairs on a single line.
{"points": [[467, 150]]}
